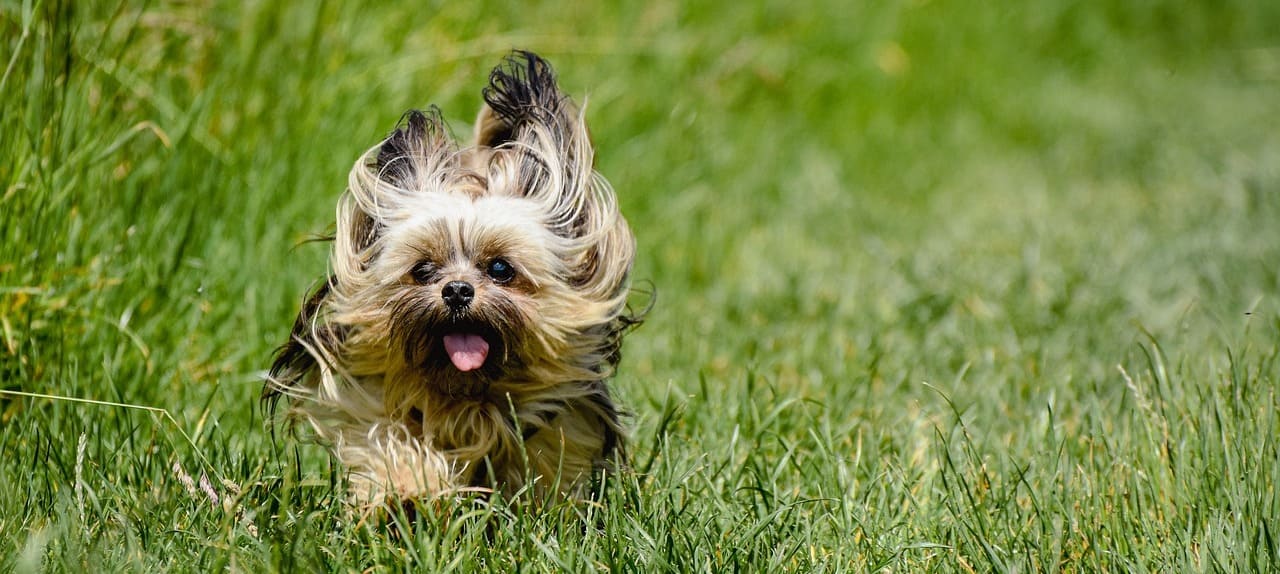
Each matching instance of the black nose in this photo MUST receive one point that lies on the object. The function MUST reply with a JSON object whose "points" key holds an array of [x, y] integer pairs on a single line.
{"points": [[458, 294]]}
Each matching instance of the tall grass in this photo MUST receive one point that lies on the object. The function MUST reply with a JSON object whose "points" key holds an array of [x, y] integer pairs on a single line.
{"points": [[943, 286]]}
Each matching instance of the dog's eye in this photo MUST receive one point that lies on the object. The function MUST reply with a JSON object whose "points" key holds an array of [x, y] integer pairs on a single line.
{"points": [[424, 272], [501, 271]]}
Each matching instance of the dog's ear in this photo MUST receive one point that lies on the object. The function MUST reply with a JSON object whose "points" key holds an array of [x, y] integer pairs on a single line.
{"points": [[522, 94], [414, 158], [545, 155], [414, 151], [544, 150]]}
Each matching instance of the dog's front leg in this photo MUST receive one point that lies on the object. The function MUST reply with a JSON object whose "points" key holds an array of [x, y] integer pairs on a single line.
{"points": [[389, 467]]}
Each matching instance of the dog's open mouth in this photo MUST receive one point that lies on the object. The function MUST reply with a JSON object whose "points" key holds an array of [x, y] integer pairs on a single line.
{"points": [[457, 350], [467, 351]]}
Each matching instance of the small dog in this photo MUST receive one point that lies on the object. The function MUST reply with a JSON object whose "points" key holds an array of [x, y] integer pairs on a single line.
{"points": [[475, 308]]}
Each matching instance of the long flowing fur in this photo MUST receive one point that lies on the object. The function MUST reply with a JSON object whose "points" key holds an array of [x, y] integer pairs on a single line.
{"points": [[363, 368]]}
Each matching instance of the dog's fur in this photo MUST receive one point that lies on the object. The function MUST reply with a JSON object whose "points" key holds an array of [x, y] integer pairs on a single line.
{"points": [[366, 366]]}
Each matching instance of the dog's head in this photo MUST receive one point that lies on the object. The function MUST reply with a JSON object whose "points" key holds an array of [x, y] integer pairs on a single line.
{"points": [[502, 261]]}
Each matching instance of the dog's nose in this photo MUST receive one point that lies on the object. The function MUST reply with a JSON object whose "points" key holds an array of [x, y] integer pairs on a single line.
{"points": [[458, 294]]}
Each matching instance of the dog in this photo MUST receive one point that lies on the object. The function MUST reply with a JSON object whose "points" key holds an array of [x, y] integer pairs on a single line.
{"points": [[475, 308]]}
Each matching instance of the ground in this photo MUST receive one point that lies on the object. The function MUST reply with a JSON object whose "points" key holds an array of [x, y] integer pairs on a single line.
{"points": [[941, 286]]}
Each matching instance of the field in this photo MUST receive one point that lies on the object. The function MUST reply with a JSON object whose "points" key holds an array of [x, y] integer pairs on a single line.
{"points": [[942, 286]]}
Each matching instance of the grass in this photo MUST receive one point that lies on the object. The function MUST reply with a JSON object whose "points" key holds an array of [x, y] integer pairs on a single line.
{"points": [[943, 286]]}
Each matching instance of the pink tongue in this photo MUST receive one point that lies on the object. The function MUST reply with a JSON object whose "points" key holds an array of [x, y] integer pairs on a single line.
{"points": [[466, 351]]}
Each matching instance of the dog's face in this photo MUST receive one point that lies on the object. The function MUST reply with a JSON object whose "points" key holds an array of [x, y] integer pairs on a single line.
{"points": [[500, 263], [473, 289]]}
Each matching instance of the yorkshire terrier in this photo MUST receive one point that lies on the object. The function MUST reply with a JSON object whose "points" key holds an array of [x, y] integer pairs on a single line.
{"points": [[475, 307]]}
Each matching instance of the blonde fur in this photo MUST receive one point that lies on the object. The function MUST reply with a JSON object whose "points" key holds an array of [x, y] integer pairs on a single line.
{"points": [[362, 369]]}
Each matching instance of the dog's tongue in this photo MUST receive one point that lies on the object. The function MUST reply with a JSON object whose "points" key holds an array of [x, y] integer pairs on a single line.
{"points": [[466, 351]]}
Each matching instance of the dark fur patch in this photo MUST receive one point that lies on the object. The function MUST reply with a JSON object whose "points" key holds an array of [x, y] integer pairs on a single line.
{"points": [[602, 402], [292, 360], [523, 90], [625, 322], [416, 138]]}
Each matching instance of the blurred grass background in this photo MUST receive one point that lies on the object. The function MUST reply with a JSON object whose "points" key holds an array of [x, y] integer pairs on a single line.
{"points": [[942, 285]]}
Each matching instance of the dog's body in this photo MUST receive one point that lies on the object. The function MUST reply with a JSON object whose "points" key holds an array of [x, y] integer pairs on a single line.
{"points": [[475, 308]]}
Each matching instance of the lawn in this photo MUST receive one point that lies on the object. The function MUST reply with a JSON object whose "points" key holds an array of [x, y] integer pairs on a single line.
{"points": [[941, 286]]}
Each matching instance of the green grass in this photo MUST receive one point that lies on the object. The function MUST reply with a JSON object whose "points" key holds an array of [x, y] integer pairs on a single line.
{"points": [[943, 286]]}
